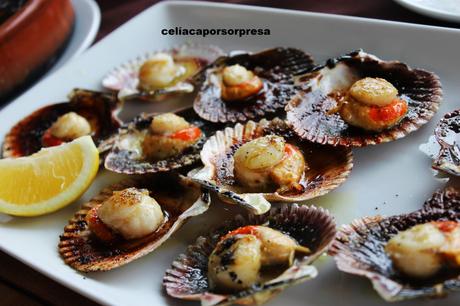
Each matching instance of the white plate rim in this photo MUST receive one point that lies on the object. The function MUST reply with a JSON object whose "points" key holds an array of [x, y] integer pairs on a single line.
{"points": [[430, 12]]}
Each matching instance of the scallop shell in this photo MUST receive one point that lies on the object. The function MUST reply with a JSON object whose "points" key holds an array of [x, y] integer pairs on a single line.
{"points": [[276, 68], [310, 226], [178, 197], [100, 109], [328, 166], [124, 79], [447, 134], [309, 111], [359, 249], [125, 155]]}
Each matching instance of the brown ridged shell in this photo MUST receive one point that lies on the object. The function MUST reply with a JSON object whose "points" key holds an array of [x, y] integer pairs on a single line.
{"points": [[310, 115], [328, 166], [310, 226], [275, 67], [128, 159], [124, 79], [447, 134], [100, 109], [179, 199], [359, 249]]}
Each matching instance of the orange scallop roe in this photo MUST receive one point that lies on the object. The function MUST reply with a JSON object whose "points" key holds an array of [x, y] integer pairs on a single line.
{"points": [[446, 226], [242, 91], [187, 134], [98, 227], [289, 150], [388, 113], [245, 230], [49, 140]]}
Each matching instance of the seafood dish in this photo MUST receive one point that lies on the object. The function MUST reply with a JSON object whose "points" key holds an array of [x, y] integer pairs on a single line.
{"points": [[249, 85], [264, 131], [250, 260], [406, 256], [87, 113], [358, 100], [255, 163], [154, 143], [129, 220], [155, 75]]}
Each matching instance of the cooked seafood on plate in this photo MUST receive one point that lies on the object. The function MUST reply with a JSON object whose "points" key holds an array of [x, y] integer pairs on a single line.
{"points": [[158, 142], [129, 220], [249, 85], [358, 100], [87, 113], [255, 163], [154, 75], [264, 127], [250, 260], [444, 147], [406, 256]]}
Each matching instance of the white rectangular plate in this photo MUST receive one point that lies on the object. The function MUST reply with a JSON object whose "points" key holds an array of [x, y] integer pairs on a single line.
{"points": [[387, 179]]}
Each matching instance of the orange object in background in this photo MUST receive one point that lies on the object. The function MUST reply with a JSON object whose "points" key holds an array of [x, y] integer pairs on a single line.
{"points": [[30, 39]]}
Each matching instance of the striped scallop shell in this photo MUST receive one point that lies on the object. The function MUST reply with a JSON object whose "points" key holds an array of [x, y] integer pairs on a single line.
{"points": [[328, 166], [178, 197], [124, 78], [125, 152], [310, 226], [311, 114], [99, 108], [359, 249], [275, 67]]}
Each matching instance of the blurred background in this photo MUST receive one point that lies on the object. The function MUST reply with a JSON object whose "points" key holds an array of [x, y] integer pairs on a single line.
{"points": [[116, 12]]}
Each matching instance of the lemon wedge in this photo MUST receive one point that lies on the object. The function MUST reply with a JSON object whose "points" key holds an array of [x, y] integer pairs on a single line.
{"points": [[49, 179]]}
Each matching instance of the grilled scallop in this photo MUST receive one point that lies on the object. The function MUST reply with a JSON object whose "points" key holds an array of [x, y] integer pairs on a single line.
{"points": [[131, 213], [158, 72], [128, 220], [153, 143], [250, 260], [246, 86], [157, 75], [406, 256], [358, 99], [273, 248], [70, 126], [268, 160], [239, 258], [415, 253], [169, 136], [239, 83], [373, 105], [235, 263], [87, 113], [255, 163]]}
